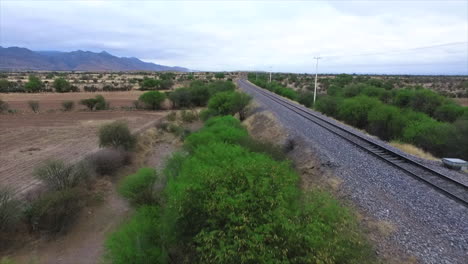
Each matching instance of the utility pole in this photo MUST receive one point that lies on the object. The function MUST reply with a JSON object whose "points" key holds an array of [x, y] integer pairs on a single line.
{"points": [[316, 72], [270, 73]]}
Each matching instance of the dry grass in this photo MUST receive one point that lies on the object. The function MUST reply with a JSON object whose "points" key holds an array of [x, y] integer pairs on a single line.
{"points": [[410, 149], [263, 126]]}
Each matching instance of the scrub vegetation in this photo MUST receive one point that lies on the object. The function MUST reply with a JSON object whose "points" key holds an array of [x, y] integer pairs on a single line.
{"points": [[413, 115]]}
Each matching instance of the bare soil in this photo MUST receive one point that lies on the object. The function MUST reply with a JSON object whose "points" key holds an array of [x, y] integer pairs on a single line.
{"points": [[461, 101], [53, 101], [29, 139]]}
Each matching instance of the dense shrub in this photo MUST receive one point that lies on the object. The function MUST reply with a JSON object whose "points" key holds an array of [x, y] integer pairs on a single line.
{"points": [[116, 135], [172, 116], [306, 98], [152, 99], [101, 103], [139, 188], [59, 176], [68, 105], [386, 122], [10, 210], [108, 161], [448, 112], [90, 103], [139, 240], [61, 85], [34, 105], [328, 105], [188, 116], [229, 103], [354, 110], [33, 85], [272, 150], [181, 97], [430, 135], [54, 211]]}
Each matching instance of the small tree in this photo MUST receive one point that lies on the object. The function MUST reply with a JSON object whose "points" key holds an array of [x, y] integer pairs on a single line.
{"points": [[61, 85], [116, 135], [101, 103], [34, 105], [229, 103], [90, 103], [34, 84], [152, 99], [219, 75]]}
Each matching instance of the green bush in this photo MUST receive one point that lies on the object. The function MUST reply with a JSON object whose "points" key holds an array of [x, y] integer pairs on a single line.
{"points": [[229, 103], [189, 116], [306, 99], [10, 210], [68, 105], [61, 85], [34, 105], [101, 103], [139, 240], [90, 103], [328, 105], [272, 150], [386, 122], [354, 110], [33, 85], [116, 135], [139, 188], [54, 211], [60, 176], [152, 99], [448, 112], [174, 164]]}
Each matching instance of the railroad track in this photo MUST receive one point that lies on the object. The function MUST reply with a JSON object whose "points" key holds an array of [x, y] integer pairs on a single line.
{"points": [[440, 182]]}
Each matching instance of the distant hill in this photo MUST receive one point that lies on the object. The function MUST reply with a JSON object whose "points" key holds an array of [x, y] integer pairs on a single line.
{"points": [[15, 58]]}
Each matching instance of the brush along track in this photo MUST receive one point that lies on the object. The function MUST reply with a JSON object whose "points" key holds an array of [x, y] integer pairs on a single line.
{"points": [[442, 183]]}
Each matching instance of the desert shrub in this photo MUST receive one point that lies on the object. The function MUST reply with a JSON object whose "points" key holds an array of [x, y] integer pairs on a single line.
{"points": [[139, 188], [101, 103], [172, 116], [34, 105], [286, 92], [139, 240], [354, 110], [54, 211], [403, 97], [177, 130], [188, 116], [108, 161], [353, 89], [68, 105], [3, 106], [220, 86], [174, 164], [61, 85], [10, 210], [90, 103], [448, 112], [207, 114], [229, 103], [217, 130], [152, 99], [386, 122], [426, 101], [59, 176], [328, 105], [33, 85], [181, 97], [219, 75], [116, 135], [306, 98]]}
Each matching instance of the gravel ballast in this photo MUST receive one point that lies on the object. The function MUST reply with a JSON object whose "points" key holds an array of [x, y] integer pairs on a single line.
{"points": [[429, 226]]}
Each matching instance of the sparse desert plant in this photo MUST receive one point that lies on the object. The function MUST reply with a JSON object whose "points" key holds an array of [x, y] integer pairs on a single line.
{"points": [[10, 211], [108, 161], [60, 176], [172, 116], [68, 105], [3, 106], [54, 211], [139, 188], [116, 135], [34, 105], [188, 116]]}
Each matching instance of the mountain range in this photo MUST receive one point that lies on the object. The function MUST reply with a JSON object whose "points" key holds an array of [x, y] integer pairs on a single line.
{"points": [[16, 58]]}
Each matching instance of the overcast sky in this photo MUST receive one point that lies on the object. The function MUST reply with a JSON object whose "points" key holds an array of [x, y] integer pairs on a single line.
{"points": [[414, 37]]}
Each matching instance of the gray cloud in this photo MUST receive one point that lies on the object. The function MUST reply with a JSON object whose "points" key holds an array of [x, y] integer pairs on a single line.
{"points": [[388, 37]]}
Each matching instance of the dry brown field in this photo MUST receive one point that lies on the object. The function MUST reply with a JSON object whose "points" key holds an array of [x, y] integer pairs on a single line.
{"points": [[27, 140], [461, 101], [53, 101]]}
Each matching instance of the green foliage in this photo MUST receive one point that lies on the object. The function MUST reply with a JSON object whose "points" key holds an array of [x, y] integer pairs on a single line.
{"points": [[172, 116], [139, 240], [139, 188], [306, 98], [152, 99], [219, 75], [386, 122], [60, 176], [229, 103], [116, 135], [188, 116], [101, 103], [61, 85], [34, 105], [33, 85], [448, 112], [328, 105], [10, 210], [68, 105], [54, 211], [154, 84], [90, 103], [354, 110]]}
